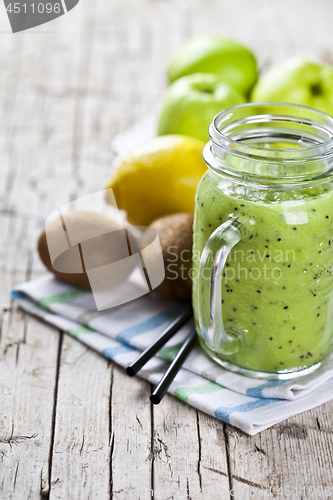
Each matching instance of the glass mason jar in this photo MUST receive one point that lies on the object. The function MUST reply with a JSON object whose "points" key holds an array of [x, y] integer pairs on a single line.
{"points": [[263, 241]]}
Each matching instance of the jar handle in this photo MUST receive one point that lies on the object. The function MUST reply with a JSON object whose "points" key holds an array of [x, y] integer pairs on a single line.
{"points": [[212, 261]]}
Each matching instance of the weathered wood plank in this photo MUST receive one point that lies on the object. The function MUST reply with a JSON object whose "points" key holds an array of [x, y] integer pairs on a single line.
{"points": [[28, 366], [189, 453], [82, 444], [131, 426], [82, 436], [214, 462], [292, 456]]}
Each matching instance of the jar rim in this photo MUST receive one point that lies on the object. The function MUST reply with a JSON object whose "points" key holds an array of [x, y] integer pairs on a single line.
{"points": [[234, 132]]}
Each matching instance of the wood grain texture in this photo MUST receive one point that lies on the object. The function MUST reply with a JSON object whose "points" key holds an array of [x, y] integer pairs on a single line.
{"points": [[295, 450], [131, 436], [201, 469], [28, 367], [81, 444], [73, 425]]}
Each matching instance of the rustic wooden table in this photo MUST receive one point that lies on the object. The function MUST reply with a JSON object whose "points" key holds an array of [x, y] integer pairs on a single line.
{"points": [[73, 426]]}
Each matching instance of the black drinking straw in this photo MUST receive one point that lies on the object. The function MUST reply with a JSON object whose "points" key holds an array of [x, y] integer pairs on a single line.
{"points": [[173, 369], [156, 345]]}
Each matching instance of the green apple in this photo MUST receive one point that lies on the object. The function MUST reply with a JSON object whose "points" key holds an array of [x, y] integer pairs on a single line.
{"points": [[190, 103], [298, 81], [231, 61]]}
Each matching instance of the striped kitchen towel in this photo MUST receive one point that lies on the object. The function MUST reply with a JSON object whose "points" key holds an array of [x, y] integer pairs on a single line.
{"points": [[121, 332]]}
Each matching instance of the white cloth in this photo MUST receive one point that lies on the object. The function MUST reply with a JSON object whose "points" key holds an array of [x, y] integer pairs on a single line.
{"points": [[121, 332]]}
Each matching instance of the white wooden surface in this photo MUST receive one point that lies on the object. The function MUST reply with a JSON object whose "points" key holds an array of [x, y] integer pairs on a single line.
{"points": [[73, 425]]}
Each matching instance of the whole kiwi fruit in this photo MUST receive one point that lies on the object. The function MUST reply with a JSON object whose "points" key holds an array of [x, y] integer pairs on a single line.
{"points": [[175, 233], [96, 242]]}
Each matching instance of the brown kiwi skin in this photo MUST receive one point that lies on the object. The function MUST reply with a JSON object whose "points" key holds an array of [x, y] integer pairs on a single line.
{"points": [[104, 248], [79, 280], [175, 230]]}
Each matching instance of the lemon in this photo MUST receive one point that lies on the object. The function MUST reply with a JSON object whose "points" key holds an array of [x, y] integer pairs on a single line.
{"points": [[158, 178]]}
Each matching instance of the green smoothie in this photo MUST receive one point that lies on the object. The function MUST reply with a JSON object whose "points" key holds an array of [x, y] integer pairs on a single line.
{"points": [[277, 285]]}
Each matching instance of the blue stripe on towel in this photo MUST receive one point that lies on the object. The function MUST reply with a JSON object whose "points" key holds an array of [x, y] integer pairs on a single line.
{"points": [[17, 295], [111, 352], [256, 392], [224, 412], [150, 324]]}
